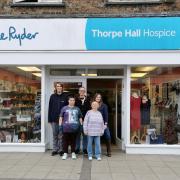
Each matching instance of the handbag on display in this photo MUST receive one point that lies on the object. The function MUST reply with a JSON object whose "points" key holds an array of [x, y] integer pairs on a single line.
{"points": [[158, 140], [154, 138]]}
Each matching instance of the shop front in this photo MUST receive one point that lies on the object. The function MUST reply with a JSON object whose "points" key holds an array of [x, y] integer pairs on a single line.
{"points": [[107, 80], [132, 62]]}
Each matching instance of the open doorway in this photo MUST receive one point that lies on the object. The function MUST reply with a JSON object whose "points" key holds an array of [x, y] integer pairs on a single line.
{"points": [[111, 90]]}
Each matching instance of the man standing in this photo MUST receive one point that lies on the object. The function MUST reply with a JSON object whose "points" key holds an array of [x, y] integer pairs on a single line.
{"points": [[57, 101], [83, 102]]}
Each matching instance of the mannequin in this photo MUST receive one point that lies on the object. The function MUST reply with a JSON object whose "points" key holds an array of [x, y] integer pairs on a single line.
{"points": [[135, 116], [145, 115]]}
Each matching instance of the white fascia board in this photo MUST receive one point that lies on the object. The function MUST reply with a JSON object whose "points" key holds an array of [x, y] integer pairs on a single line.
{"points": [[91, 58]]}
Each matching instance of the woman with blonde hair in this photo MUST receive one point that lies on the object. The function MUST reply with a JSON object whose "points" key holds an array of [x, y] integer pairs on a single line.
{"points": [[94, 128]]}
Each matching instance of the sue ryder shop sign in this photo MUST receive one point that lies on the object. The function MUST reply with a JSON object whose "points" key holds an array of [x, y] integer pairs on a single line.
{"points": [[155, 33]]}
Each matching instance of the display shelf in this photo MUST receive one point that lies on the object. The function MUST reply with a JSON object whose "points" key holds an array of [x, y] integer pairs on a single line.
{"points": [[5, 117], [25, 107], [17, 102], [23, 119], [3, 109], [6, 128], [37, 131], [13, 99], [22, 93], [6, 99], [5, 91], [19, 131]]}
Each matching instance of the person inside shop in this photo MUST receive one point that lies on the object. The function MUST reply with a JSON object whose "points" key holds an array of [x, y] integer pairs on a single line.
{"points": [[70, 121], [83, 102], [145, 115], [135, 116], [57, 101], [94, 128], [104, 111]]}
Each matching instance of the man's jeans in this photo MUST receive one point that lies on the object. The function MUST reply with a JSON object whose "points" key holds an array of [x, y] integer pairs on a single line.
{"points": [[84, 141], [57, 137], [97, 143]]}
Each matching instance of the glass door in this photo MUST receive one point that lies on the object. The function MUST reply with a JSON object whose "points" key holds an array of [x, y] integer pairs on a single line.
{"points": [[71, 86], [119, 109]]}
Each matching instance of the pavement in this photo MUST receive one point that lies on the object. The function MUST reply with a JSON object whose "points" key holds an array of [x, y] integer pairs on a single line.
{"points": [[121, 166]]}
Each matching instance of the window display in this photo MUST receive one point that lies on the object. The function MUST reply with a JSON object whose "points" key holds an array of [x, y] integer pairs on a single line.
{"points": [[135, 116], [155, 105], [20, 119]]}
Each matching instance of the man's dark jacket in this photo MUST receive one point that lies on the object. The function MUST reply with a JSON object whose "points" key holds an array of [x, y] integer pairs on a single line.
{"points": [[84, 107], [56, 103]]}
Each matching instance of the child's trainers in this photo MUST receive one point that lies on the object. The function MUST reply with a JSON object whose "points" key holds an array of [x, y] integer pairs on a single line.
{"points": [[99, 159], [73, 155], [90, 158], [64, 157]]}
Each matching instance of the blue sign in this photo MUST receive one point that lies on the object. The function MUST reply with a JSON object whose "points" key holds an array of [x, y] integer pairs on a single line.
{"points": [[162, 33], [13, 35]]}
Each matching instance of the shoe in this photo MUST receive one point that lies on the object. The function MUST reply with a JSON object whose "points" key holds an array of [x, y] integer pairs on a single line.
{"points": [[73, 155], [64, 156], [61, 153], [99, 159], [77, 151], [54, 153], [85, 152], [90, 158]]}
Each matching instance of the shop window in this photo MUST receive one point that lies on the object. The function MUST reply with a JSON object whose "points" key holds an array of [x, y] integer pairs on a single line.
{"points": [[138, 1], [86, 72], [106, 72], [66, 72], [37, 1], [155, 105], [20, 105]]}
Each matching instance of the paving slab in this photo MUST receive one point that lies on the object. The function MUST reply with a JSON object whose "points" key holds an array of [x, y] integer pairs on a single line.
{"points": [[121, 166]]}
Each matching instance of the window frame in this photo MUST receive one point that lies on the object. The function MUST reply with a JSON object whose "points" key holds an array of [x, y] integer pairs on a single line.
{"points": [[18, 3], [111, 2]]}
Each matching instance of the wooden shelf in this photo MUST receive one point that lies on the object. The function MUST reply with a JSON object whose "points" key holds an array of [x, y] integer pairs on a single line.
{"points": [[5, 117], [22, 107], [5, 91], [22, 99], [5, 108]]}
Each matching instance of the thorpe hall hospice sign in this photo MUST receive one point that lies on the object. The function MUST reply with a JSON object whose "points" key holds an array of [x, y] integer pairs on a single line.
{"points": [[133, 34], [96, 34]]}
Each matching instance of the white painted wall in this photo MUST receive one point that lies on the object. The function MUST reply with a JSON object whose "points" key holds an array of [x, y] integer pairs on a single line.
{"points": [[90, 58]]}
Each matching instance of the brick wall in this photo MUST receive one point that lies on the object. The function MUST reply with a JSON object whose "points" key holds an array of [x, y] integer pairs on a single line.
{"points": [[89, 8]]}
